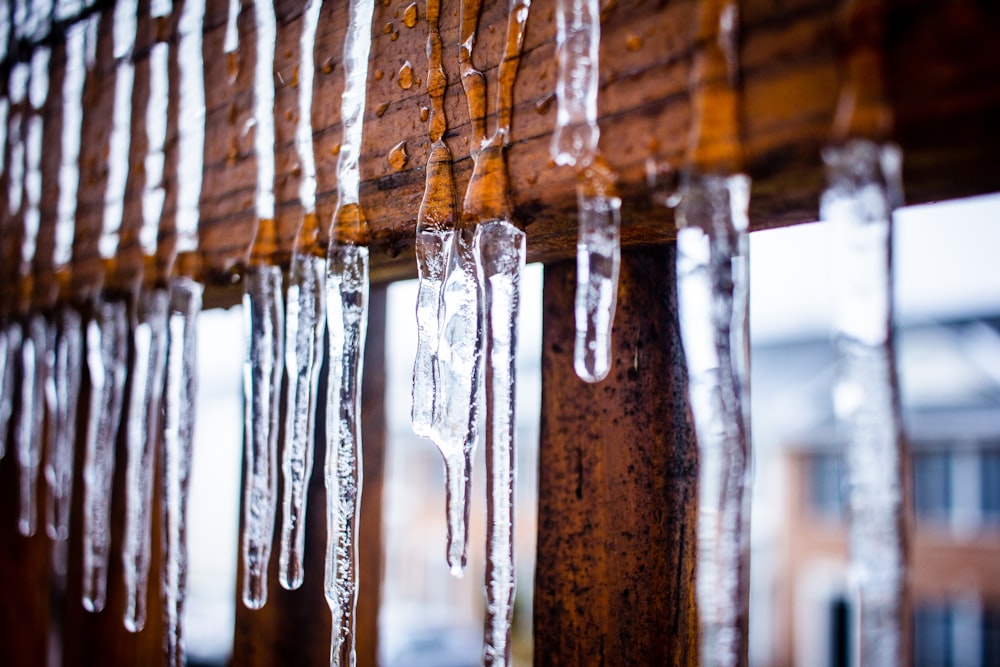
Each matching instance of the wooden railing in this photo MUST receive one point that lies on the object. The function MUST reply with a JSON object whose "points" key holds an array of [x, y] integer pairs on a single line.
{"points": [[618, 463]]}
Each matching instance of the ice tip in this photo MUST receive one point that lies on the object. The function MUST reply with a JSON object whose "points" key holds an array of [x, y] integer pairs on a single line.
{"points": [[457, 570]]}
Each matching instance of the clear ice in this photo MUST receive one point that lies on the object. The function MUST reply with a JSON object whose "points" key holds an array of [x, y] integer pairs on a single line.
{"points": [[574, 143], [11, 347], [304, 325], [179, 402], [863, 188], [501, 250], [304, 322], [262, 313], [712, 284], [107, 351], [264, 321], [149, 341], [455, 428], [347, 319], [59, 460], [142, 430], [36, 373]]}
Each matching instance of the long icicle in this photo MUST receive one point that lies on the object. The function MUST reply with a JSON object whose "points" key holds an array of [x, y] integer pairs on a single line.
{"points": [[574, 143], [37, 394], [178, 438], [264, 325], [107, 346], [864, 187], [304, 323], [68, 362], [712, 285], [498, 248], [185, 305], [434, 240], [347, 320], [149, 339]]}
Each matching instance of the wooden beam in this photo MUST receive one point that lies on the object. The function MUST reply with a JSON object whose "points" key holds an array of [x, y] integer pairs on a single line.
{"points": [[941, 56], [618, 482]]}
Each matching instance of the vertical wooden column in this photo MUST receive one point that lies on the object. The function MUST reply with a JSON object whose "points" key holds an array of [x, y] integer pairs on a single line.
{"points": [[618, 482], [293, 628]]}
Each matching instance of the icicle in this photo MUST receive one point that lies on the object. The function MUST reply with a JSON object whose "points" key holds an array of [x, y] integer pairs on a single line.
{"points": [[261, 381], [149, 338], [304, 322], [263, 315], [69, 156], [864, 187], [12, 340], [712, 291], [29, 426], [178, 438], [574, 143], [347, 319], [712, 286], [190, 124], [38, 89], [231, 46], [501, 249], [149, 341], [435, 238], [107, 350], [118, 149], [59, 464], [17, 89]]}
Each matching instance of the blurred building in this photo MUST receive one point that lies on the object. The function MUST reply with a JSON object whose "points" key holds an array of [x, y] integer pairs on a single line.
{"points": [[950, 384]]}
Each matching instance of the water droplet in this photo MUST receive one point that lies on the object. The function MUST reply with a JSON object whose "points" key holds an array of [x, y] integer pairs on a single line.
{"points": [[424, 114], [544, 104], [328, 65], [335, 149], [380, 109], [295, 76], [633, 43], [410, 16], [398, 156], [388, 28], [233, 65], [406, 76], [394, 36], [379, 74]]}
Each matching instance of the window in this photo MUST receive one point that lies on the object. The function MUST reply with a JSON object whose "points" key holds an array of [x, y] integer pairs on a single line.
{"points": [[825, 485], [932, 486]]}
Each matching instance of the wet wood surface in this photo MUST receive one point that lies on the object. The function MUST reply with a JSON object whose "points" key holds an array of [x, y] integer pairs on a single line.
{"points": [[618, 482], [941, 56]]}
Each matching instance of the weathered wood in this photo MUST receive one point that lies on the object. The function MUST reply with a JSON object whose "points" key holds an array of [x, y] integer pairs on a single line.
{"points": [[618, 480], [941, 56], [293, 628]]}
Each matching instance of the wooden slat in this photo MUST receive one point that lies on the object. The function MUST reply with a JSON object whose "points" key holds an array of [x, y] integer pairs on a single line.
{"points": [[618, 481]]}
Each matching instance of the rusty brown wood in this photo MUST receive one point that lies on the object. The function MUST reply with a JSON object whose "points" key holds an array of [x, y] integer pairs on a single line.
{"points": [[618, 480], [293, 628]]}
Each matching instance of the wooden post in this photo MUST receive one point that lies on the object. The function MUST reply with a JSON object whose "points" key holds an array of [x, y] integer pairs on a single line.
{"points": [[293, 628], [618, 482]]}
